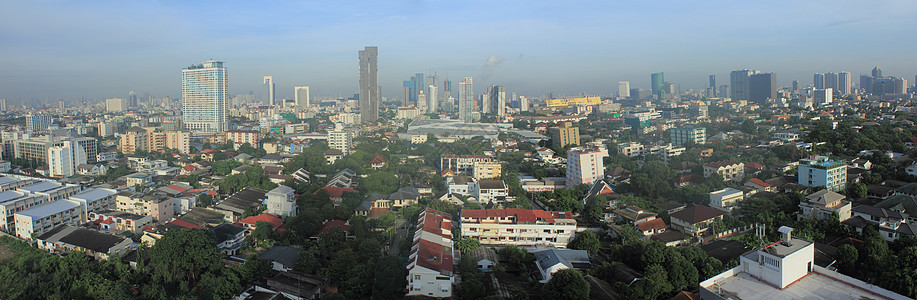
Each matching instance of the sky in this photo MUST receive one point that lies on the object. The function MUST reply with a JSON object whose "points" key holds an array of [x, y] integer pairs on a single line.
{"points": [[103, 49]]}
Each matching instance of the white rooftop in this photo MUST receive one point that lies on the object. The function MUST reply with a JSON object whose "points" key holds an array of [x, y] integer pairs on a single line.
{"points": [[93, 194], [51, 208], [813, 286], [41, 187], [10, 195], [5, 179]]}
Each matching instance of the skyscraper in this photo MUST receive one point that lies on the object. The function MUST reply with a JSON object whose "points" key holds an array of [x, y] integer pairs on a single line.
{"points": [[407, 90], [369, 85], [818, 80], [268, 89], [432, 99], [713, 85], [657, 82], [762, 87], [498, 100], [843, 82], [876, 72], [738, 82], [831, 80], [418, 87], [624, 89], [205, 97], [301, 96], [466, 96], [795, 85]]}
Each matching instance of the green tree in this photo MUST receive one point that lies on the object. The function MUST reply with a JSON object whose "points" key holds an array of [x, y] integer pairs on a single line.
{"points": [[847, 256], [467, 245], [654, 285], [586, 240], [856, 190], [566, 284], [181, 256]]}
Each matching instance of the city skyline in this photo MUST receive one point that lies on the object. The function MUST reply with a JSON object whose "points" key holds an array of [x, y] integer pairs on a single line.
{"points": [[74, 50]]}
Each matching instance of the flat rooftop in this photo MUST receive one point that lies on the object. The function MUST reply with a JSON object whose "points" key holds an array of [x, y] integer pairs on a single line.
{"points": [[812, 286], [44, 186], [781, 250], [51, 208], [93, 194], [5, 180], [7, 196]]}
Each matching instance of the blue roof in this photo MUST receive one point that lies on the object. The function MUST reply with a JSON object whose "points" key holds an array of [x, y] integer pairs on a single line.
{"points": [[5, 180], [49, 209], [43, 186], [91, 195], [10, 195]]}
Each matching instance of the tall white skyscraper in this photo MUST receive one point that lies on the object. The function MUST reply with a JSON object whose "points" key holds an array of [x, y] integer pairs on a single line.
{"points": [[301, 96], [369, 85], [523, 103], [624, 89], [843, 82], [268, 90], [63, 160], [498, 100], [432, 99], [466, 96], [205, 97]]}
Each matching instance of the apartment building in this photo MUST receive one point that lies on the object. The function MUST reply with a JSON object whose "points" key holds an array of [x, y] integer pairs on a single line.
{"points": [[462, 163], [118, 221], [680, 136], [95, 199], [563, 135], [519, 227], [153, 140], [726, 199], [159, 207], [728, 169], [487, 170], [341, 139], [632, 149], [430, 265], [490, 191], [584, 166], [37, 148], [820, 171], [179, 140], [240, 137], [40, 219]]}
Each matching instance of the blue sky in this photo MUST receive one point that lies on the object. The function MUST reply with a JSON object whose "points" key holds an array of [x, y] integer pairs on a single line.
{"points": [[100, 49]]}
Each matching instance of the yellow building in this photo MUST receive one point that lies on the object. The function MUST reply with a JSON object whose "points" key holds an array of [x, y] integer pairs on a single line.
{"points": [[566, 135], [487, 170], [558, 103], [132, 140]]}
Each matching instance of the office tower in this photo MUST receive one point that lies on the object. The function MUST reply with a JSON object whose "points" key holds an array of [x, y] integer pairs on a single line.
{"points": [[657, 82], [115, 104], [498, 100], [422, 101], [486, 107], [205, 97], [762, 87], [822, 97], [524, 103], [418, 87], [267, 90], [369, 85], [624, 89], [795, 85], [2, 104], [407, 92], [713, 85], [831, 80], [131, 100], [301, 96], [818, 80], [738, 81], [432, 100], [876, 72], [724, 90], [37, 122], [843, 82], [866, 83], [466, 96], [64, 159]]}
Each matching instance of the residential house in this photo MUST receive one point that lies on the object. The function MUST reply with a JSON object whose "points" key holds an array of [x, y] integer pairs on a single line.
{"points": [[553, 260], [695, 220], [635, 215], [823, 204], [652, 227], [726, 199], [728, 169], [91, 169], [250, 223], [892, 224], [118, 221], [519, 227], [235, 206], [430, 264], [760, 185], [229, 238], [281, 201], [282, 258]]}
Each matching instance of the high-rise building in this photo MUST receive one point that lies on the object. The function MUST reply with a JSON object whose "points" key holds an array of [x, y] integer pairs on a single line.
{"points": [[419, 86], [713, 85], [585, 165], [831, 79], [205, 97], [564, 135], [795, 85], [63, 160], [866, 83], [115, 104], [762, 87], [818, 80], [689, 133], [657, 82], [843, 82], [432, 99], [466, 99], [407, 90], [498, 100], [738, 82], [624, 89], [369, 85], [131, 99], [724, 90], [524, 103], [822, 97], [301, 96], [448, 100], [876, 72], [37, 122], [341, 138], [179, 140], [268, 90]]}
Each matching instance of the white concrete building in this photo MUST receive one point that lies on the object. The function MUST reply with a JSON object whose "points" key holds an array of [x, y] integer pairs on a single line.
{"points": [[430, 265], [632, 149], [823, 204], [63, 159], [519, 227], [823, 172], [205, 97], [489, 191], [584, 166], [341, 139], [95, 199], [40, 219], [726, 199], [730, 170], [462, 163], [281, 201]]}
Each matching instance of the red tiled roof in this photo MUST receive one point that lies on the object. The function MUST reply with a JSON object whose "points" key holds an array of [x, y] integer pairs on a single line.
{"points": [[189, 168], [333, 223], [654, 224], [521, 215], [721, 164], [463, 156], [177, 188], [696, 214], [759, 182], [337, 192], [186, 224], [753, 165], [264, 217], [377, 160], [436, 221], [434, 256]]}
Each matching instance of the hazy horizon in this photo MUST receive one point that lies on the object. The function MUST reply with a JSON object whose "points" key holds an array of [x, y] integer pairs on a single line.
{"points": [[102, 50]]}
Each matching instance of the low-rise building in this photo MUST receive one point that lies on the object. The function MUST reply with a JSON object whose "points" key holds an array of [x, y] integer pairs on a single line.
{"points": [[40, 219], [430, 264], [728, 169], [462, 163], [695, 220], [95, 199], [552, 260], [820, 171], [281, 201], [823, 204], [119, 221], [726, 199], [229, 238], [65, 239], [490, 191], [519, 227], [487, 170]]}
